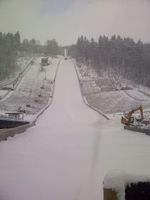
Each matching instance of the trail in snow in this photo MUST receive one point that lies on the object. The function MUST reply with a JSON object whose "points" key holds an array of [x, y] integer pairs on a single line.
{"points": [[58, 158]]}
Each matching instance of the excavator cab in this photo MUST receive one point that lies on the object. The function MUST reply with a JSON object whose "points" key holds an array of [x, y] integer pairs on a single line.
{"points": [[131, 120], [126, 121]]}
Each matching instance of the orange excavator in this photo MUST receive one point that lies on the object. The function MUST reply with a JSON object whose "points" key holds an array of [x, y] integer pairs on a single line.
{"points": [[128, 119], [136, 124]]}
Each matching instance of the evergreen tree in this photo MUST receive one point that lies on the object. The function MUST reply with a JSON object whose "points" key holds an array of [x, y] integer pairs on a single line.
{"points": [[124, 56]]}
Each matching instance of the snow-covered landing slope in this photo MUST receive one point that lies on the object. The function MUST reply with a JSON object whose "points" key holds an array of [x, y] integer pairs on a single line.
{"points": [[56, 158], [70, 150]]}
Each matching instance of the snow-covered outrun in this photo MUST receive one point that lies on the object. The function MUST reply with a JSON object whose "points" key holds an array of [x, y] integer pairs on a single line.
{"points": [[66, 155]]}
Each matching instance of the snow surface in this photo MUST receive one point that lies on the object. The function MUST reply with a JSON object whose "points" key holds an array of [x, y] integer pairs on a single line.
{"points": [[22, 63], [70, 150], [34, 89], [104, 92]]}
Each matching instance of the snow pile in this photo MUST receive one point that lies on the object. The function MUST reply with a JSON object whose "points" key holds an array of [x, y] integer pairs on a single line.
{"points": [[118, 181]]}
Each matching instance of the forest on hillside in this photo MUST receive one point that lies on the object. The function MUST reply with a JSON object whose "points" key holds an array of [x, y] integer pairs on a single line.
{"points": [[122, 56], [11, 48], [9, 45]]}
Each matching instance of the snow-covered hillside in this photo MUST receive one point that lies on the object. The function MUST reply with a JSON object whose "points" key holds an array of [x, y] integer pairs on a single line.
{"points": [[107, 94], [22, 63], [34, 90]]}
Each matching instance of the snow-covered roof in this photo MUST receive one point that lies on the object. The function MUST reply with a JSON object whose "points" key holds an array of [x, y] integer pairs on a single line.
{"points": [[119, 180]]}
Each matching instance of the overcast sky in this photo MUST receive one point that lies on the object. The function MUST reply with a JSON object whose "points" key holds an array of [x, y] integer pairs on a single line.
{"points": [[65, 20]]}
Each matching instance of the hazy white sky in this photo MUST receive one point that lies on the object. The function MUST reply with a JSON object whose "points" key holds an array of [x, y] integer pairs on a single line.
{"points": [[65, 20]]}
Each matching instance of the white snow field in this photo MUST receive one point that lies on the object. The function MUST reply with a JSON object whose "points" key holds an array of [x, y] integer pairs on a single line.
{"points": [[70, 150]]}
